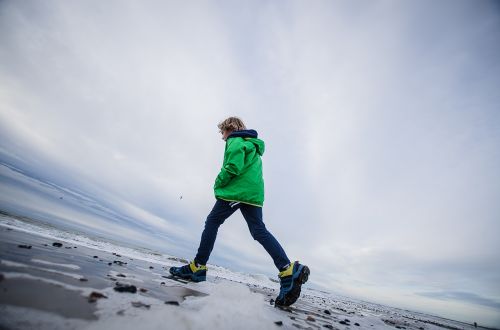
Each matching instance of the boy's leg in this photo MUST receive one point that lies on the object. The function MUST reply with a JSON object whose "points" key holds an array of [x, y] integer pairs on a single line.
{"points": [[220, 212], [253, 217]]}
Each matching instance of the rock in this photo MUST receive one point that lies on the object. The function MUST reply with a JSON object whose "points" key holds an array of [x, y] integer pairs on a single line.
{"points": [[347, 320], [139, 304], [68, 247], [151, 267], [56, 244], [292, 317], [280, 323], [110, 263], [162, 283], [24, 246], [120, 275], [326, 311], [121, 287], [143, 290], [172, 302], [343, 322], [83, 279], [310, 318], [356, 324], [2, 277], [328, 326], [74, 247], [95, 257], [271, 301], [119, 263], [120, 312], [95, 295]]}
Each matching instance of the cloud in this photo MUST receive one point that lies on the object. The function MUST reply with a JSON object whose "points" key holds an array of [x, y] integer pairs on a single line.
{"points": [[462, 296]]}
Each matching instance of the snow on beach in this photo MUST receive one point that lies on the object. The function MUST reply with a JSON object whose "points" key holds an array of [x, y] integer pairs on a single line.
{"points": [[40, 292]]}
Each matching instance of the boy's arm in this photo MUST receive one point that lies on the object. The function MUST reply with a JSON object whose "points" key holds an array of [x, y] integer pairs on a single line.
{"points": [[233, 164]]}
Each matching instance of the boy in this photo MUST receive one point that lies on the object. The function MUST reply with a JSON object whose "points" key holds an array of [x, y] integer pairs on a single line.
{"points": [[240, 185]]}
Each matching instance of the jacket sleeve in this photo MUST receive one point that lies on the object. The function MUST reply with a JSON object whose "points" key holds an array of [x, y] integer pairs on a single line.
{"points": [[234, 160]]}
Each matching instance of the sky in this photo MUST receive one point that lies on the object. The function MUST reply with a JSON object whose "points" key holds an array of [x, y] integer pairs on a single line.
{"points": [[381, 121]]}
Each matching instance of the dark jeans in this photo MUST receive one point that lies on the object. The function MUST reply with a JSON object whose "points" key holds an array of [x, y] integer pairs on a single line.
{"points": [[253, 216]]}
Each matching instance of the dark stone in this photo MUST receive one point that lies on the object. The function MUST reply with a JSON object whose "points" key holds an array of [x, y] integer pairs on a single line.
{"points": [[292, 317], [271, 301], [56, 244], [83, 279], [120, 275], [310, 318], [343, 322], [110, 263], [280, 323], [95, 295], [121, 287], [95, 257], [347, 320], [2, 277], [68, 247], [24, 246], [163, 283], [119, 263], [328, 326], [151, 267], [139, 304], [356, 324], [172, 302], [74, 247], [143, 290], [327, 312]]}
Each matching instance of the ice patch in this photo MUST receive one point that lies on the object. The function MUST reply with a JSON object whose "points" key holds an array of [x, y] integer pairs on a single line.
{"points": [[44, 262], [229, 306], [9, 263]]}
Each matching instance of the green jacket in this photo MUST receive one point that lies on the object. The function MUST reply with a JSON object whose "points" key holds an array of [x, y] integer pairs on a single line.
{"points": [[240, 178]]}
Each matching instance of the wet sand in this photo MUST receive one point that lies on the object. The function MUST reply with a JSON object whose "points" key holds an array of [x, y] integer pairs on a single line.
{"points": [[35, 274]]}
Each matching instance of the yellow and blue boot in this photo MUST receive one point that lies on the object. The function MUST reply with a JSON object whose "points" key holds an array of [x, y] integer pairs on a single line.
{"points": [[192, 271], [291, 280]]}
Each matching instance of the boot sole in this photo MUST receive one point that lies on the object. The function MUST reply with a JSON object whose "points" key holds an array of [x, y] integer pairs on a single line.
{"points": [[189, 277], [294, 294]]}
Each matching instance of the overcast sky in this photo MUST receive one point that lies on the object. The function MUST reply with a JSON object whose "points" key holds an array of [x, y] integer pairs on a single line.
{"points": [[381, 121]]}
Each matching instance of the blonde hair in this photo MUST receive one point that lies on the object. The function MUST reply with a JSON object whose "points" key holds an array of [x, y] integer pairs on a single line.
{"points": [[231, 124]]}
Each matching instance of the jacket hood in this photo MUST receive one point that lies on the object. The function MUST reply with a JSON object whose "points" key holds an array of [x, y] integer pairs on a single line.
{"points": [[251, 136], [246, 133]]}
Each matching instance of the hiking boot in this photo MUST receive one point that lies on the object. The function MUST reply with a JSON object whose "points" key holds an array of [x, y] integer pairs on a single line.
{"points": [[291, 280], [192, 271]]}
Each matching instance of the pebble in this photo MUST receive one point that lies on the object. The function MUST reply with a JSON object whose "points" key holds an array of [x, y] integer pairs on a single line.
{"points": [[139, 304], [327, 312], [83, 279], [24, 246], [121, 287], [56, 244], [280, 323], [172, 302], [310, 318], [95, 295], [356, 324]]}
